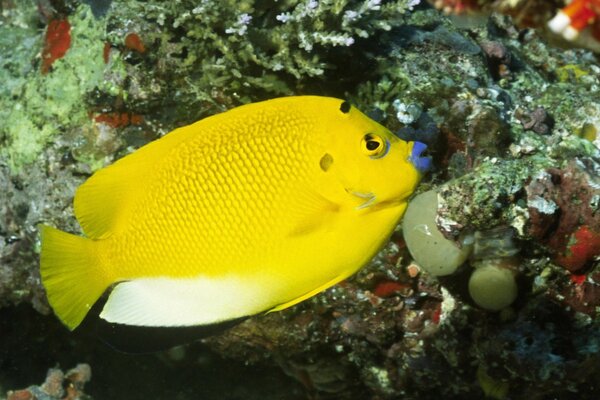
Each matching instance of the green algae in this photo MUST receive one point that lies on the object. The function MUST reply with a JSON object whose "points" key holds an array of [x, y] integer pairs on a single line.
{"points": [[219, 54], [200, 58], [480, 200], [570, 72], [492, 193], [36, 106]]}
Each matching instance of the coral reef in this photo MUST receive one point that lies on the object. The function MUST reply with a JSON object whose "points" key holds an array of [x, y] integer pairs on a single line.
{"points": [[501, 128], [572, 22], [58, 385], [511, 122], [41, 101]]}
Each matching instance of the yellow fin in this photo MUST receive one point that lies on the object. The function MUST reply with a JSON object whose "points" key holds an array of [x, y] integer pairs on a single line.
{"points": [[312, 212], [310, 294], [108, 195], [70, 274]]}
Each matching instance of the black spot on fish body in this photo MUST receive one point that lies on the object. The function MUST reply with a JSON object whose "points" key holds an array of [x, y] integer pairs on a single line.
{"points": [[325, 162], [345, 107]]}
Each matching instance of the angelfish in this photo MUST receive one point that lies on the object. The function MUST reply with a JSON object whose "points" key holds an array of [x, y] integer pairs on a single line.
{"points": [[251, 210]]}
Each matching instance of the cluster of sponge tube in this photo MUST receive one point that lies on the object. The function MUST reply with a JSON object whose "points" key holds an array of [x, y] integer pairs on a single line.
{"points": [[492, 254]]}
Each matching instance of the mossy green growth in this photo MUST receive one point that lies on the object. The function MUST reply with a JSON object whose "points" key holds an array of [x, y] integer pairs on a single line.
{"points": [[588, 132], [484, 198], [440, 66], [492, 388], [492, 193], [572, 105], [208, 56], [34, 106], [570, 71]]}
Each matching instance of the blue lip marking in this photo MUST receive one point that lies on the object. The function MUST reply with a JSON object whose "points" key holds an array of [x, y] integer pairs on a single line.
{"points": [[422, 164]]}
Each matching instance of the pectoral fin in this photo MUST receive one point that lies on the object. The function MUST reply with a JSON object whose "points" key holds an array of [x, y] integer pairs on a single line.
{"points": [[311, 213]]}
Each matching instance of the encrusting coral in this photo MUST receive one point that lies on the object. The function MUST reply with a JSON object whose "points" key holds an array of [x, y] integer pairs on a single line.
{"points": [[57, 386]]}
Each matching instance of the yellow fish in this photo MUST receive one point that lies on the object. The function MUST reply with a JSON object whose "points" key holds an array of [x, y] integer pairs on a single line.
{"points": [[251, 210]]}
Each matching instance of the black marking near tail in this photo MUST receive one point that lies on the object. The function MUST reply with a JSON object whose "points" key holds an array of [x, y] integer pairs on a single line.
{"points": [[147, 339]]}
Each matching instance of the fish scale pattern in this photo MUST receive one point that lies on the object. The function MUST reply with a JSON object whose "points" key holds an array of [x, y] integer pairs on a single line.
{"points": [[212, 204]]}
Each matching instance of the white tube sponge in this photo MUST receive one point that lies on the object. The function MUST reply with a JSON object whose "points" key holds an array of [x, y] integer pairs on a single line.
{"points": [[429, 248], [493, 287]]}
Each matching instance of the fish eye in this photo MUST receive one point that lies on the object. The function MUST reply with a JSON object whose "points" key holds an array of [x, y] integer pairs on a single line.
{"points": [[374, 146]]}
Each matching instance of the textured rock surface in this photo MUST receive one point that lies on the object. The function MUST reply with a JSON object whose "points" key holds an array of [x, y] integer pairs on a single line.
{"points": [[512, 127]]}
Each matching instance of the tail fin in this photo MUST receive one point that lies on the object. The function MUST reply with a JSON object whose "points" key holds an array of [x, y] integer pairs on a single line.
{"points": [[71, 274]]}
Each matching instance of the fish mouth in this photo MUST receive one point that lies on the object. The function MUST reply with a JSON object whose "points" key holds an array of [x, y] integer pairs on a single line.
{"points": [[421, 163]]}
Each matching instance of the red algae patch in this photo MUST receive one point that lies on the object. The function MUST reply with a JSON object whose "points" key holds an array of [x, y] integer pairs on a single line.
{"points": [[106, 52], [134, 42], [583, 247], [119, 120], [56, 42]]}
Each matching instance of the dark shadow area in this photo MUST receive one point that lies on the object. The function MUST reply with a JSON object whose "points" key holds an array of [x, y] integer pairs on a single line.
{"points": [[30, 344]]}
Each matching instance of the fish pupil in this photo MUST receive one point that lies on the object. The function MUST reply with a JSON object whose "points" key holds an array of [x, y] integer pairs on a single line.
{"points": [[372, 145]]}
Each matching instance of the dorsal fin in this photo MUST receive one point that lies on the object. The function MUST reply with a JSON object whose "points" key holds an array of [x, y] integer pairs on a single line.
{"points": [[110, 193]]}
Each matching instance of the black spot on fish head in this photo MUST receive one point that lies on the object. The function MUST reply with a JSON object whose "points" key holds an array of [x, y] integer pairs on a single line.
{"points": [[345, 107]]}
